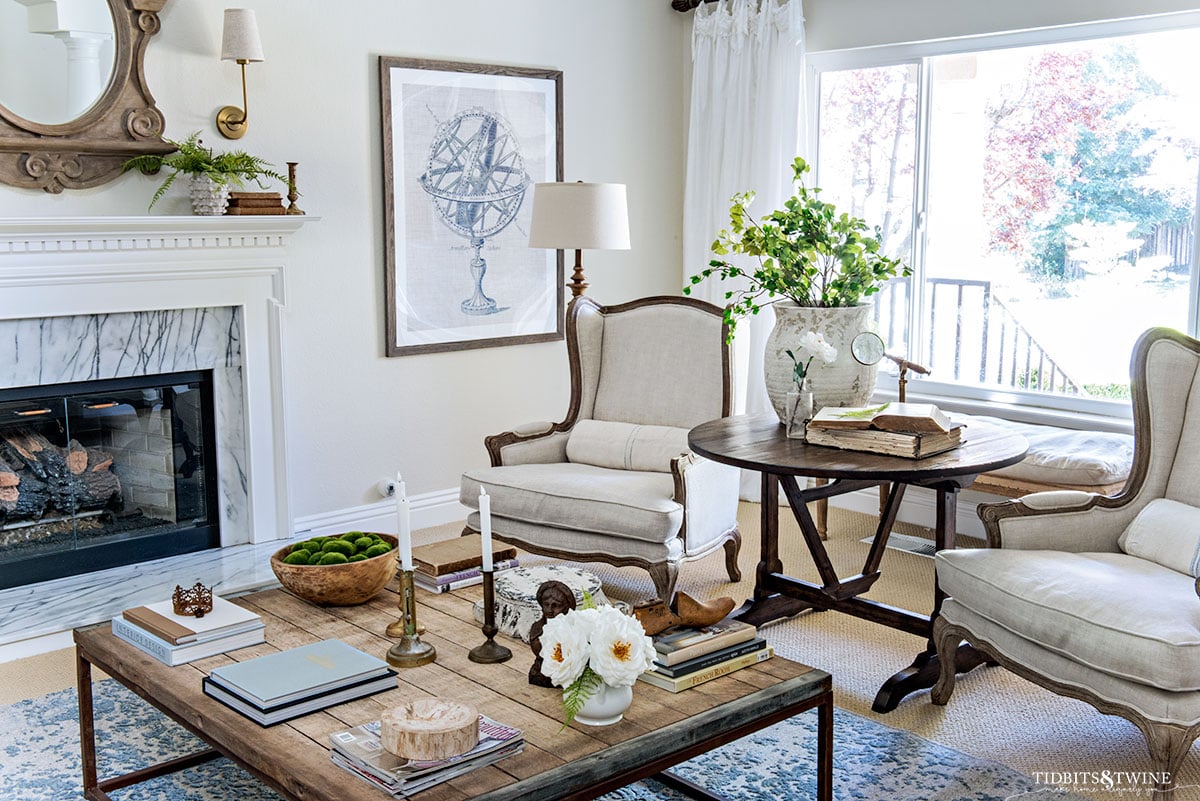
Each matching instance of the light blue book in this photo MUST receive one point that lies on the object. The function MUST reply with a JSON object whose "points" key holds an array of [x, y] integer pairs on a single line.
{"points": [[298, 672]]}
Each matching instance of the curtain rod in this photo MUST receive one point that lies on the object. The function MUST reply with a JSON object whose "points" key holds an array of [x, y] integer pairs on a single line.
{"points": [[688, 5]]}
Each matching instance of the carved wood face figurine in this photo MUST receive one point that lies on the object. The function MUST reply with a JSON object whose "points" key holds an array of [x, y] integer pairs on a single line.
{"points": [[555, 598]]}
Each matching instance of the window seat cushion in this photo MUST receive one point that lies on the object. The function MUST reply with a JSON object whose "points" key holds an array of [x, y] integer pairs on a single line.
{"points": [[1063, 456]]}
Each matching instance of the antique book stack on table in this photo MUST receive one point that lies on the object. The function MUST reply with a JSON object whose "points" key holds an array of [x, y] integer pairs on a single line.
{"points": [[911, 430], [455, 563], [360, 751], [281, 686], [178, 639], [688, 656]]}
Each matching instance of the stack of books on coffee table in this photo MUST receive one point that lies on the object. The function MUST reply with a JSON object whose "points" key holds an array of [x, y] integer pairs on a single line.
{"points": [[360, 751], [687, 656], [178, 639], [454, 564], [280, 686]]}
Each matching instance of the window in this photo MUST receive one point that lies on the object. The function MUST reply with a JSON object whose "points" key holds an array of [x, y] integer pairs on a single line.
{"points": [[1044, 196]]}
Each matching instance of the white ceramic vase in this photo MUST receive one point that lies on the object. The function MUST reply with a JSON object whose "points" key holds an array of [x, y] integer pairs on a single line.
{"points": [[606, 706], [844, 382], [209, 198]]}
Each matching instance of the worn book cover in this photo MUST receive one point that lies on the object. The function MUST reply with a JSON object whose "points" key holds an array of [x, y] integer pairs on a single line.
{"points": [[922, 418], [890, 443], [459, 553], [682, 683], [298, 672], [160, 620], [682, 643]]}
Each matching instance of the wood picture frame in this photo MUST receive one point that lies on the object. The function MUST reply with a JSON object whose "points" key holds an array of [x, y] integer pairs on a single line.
{"points": [[463, 144]]}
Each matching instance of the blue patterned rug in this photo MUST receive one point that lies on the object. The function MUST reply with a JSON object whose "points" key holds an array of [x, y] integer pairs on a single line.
{"points": [[39, 760]]}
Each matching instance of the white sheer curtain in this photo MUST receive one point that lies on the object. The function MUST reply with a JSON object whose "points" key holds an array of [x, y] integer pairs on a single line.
{"points": [[747, 84]]}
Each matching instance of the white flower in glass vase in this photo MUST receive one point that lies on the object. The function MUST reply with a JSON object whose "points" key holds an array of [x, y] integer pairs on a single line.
{"points": [[812, 345], [589, 647]]}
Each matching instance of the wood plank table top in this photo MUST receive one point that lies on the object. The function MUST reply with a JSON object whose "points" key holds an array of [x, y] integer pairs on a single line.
{"points": [[659, 730]]}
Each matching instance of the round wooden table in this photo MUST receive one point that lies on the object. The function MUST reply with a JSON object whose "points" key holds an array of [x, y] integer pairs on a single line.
{"points": [[758, 443]]}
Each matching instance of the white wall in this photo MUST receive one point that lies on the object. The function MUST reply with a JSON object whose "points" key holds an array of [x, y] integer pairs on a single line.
{"points": [[838, 24], [355, 416]]}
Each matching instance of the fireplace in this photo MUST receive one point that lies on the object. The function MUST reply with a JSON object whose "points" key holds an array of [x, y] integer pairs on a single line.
{"points": [[169, 301], [97, 474]]}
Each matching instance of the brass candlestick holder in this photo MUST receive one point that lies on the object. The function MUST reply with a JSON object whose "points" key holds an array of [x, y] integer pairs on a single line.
{"points": [[490, 651], [410, 651], [293, 193]]}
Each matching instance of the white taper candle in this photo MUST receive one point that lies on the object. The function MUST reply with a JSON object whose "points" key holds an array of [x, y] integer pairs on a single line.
{"points": [[485, 527], [403, 526]]}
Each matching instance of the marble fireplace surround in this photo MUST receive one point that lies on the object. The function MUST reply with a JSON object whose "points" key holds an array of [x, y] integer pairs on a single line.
{"points": [[88, 298]]}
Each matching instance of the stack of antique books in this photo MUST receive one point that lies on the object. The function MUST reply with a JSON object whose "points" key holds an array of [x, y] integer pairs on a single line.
{"points": [[911, 430], [360, 751], [255, 203], [456, 563], [177, 639], [280, 686], [689, 655]]}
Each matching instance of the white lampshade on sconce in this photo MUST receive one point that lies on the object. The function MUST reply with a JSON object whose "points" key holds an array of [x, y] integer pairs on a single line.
{"points": [[579, 216], [240, 43]]}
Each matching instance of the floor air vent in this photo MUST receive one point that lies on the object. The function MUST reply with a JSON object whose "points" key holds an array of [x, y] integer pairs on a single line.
{"points": [[907, 543]]}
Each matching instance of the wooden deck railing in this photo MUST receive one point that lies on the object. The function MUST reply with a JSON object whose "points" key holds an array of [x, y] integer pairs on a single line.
{"points": [[973, 336]]}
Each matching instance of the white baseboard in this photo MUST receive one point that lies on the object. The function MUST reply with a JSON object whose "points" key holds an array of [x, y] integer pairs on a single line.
{"points": [[428, 509], [919, 507]]}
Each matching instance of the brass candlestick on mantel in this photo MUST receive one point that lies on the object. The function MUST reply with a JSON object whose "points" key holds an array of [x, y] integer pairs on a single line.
{"points": [[293, 193], [410, 651], [490, 651]]}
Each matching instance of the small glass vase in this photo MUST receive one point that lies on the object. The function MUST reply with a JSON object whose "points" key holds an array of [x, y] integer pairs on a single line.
{"points": [[605, 706], [800, 411]]}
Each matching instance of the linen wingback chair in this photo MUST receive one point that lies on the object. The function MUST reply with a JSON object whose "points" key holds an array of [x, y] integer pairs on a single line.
{"points": [[1094, 597], [614, 481]]}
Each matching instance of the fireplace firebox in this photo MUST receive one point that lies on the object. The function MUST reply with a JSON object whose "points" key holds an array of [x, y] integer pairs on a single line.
{"points": [[98, 474]]}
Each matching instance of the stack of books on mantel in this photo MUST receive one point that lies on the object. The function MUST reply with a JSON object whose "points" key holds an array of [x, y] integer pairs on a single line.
{"points": [[178, 639], [284, 685], [360, 751], [687, 656], [911, 430], [457, 563], [255, 203]]}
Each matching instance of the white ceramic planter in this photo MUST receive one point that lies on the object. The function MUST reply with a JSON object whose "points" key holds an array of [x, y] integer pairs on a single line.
{"points": [[209, 198], [844, 382], [606, 706]]}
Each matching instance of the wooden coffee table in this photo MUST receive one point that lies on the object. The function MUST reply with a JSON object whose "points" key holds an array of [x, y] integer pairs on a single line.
{"points": [[661, 729]]}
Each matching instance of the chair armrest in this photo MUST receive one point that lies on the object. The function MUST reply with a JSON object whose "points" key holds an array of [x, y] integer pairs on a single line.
{"points": [[531, 443], [1059, 520], [708, 492]]}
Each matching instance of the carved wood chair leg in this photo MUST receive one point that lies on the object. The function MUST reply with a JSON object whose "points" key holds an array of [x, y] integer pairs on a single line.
{"points": [[946, 638], [664, 575], [733, 547], [1168, 745]]}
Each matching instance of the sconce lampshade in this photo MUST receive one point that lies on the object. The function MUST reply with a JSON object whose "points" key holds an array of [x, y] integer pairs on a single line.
{"points": [[239, 39], [579, 216]]}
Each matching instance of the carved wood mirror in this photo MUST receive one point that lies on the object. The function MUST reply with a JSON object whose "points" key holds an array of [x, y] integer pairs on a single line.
{"points": [[88, 147]]}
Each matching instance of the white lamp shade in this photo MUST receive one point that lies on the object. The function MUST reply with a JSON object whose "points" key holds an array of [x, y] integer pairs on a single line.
{"points": [[239, 39], [579, 216]]}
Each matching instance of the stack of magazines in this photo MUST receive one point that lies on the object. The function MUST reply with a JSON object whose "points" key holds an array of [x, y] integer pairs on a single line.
{"points": [[360, 751]]}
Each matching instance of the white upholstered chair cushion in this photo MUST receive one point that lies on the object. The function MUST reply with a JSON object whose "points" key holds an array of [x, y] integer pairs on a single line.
{"points": [[1063, 455], [623, 503], [1166, 532], [626, 446], [1115, 613]]}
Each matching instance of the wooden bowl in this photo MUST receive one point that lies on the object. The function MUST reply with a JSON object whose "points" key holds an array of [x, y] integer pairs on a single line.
{"points": [[336, 585]]}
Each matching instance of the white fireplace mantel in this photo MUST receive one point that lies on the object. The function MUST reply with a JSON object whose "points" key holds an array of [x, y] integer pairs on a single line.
{"points": [[71, 266]]}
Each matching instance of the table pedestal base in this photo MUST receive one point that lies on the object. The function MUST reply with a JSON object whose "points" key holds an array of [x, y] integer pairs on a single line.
{"points": [[921, 675]]}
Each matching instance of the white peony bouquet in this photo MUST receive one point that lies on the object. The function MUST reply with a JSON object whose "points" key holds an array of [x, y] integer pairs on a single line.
{"points": [[587, 647]]}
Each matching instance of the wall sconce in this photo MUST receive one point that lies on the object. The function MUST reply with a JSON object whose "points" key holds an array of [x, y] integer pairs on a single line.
{"points": [[240, 43]]}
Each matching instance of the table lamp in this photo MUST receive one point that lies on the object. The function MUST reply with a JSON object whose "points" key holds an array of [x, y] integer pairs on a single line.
{"points": [[579, 216]]}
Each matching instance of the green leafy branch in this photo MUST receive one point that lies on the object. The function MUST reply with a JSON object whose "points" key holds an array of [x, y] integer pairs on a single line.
{"points": [[191, 157], [576, 694]]}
